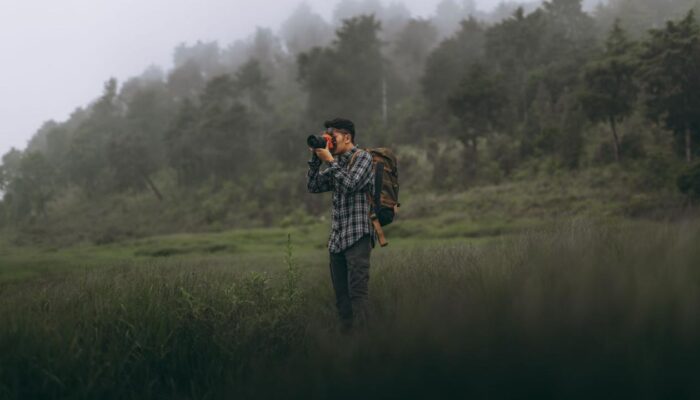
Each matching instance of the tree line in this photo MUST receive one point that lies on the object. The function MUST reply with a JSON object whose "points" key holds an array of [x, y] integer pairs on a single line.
{"points": [[541, 83]]}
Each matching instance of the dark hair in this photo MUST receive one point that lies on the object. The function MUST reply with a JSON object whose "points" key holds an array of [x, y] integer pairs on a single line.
{"points": [[342, 124]]}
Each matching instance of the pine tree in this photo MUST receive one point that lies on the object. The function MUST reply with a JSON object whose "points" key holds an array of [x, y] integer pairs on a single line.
{"points": [[670, 63], [610, 89]]}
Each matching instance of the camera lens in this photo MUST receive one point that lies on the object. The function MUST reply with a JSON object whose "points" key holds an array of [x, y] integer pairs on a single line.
{"points": [[316, 142]]}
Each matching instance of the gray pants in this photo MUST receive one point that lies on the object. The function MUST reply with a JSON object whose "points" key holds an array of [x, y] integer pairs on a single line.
{"points": [[350, 277]]}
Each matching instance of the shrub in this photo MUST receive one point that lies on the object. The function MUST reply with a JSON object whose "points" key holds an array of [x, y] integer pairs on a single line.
{"points": [[688, 181]]}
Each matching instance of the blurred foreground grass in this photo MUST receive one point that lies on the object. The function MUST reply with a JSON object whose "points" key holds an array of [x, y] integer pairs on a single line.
{"points": [[573, 310]]}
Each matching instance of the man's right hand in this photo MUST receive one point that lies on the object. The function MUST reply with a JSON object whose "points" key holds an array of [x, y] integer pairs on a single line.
{"points": [[324, 154]]}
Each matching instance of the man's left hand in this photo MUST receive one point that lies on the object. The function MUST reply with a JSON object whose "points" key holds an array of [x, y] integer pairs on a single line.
{"points": [[324, 154]]}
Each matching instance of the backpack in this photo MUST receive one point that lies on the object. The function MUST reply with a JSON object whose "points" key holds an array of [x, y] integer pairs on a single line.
{"points": [[384, 202]]}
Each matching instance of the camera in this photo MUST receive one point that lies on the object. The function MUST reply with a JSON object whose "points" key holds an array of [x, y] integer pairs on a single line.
{"points": [[319, 142]]}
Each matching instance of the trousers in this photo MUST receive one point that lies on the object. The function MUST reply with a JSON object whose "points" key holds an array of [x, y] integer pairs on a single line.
{"points": [[350, 277]]}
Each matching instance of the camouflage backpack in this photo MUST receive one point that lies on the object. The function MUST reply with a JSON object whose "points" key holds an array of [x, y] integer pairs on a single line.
{"points": [[384, 202]]}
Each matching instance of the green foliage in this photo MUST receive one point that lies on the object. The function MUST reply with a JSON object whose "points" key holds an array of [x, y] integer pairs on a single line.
{"points": [[411, 50], [514, 45], [213, 138], [134, 154], [610, 89], [185, 81], [346, 78], [10, 167], [669, 66], [223, 135], [478, 104], [86, 166], [446, 64], [29, 183], [252, 84], [181, 144], [219, 138], [689, 181], [637, 16]]}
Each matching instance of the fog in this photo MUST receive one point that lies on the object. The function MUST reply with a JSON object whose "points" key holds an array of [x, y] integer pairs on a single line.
{"points": [[56, 56]]}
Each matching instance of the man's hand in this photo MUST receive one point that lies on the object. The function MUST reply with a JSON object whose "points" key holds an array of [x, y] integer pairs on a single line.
{"points": [[324, 154]]}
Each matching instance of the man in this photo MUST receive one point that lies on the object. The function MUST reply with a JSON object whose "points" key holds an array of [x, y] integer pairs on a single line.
{"points": [[352, 234]]}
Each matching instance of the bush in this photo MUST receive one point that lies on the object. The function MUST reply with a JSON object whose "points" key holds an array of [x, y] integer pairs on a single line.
{"points": [[656, 172], [688, 181]]}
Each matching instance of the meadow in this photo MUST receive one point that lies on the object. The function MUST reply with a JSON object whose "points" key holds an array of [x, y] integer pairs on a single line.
{"points": [[577, 309], [551, 287]]}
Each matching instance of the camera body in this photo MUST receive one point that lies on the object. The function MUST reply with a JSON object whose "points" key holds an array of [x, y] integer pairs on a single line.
{"points": [[320, 141]]}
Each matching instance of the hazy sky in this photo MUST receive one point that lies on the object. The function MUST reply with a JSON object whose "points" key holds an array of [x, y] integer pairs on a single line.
{"points": [[56, 55]]}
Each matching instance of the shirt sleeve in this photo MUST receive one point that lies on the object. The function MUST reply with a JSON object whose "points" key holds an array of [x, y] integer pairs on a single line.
{"points": [[316, 182], [354, 179]]}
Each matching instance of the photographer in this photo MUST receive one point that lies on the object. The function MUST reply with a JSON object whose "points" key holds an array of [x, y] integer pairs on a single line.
{"points": [[352, 235]]}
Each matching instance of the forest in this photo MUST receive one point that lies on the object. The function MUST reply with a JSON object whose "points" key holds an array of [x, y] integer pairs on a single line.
{"points": [[465, 98]]}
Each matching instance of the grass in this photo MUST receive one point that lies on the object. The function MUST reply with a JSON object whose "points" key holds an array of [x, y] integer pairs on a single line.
{"points": [[251, 249], [236, 247], [479, 215], [531, 289], [575, 310]]}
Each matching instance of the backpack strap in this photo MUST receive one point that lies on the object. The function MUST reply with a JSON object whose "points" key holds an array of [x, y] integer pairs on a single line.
{"points": [[374, 201], [354, 157], [378, 229]]}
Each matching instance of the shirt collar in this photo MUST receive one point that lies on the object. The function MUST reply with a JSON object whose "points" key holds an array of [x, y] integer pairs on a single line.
{"points": [[345, 157]]}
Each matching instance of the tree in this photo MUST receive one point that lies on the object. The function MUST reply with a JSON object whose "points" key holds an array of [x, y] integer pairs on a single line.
{"points": [[514, 46], [610, 89], [205, 55], [448, 15], [186, 80], [304, 30], [252, 85], [412, 48], [87, 161], [638, 16], [135, 152], [223, 130], [670, 62], [349, 9], [446, 64], [567, 44], [394, 18], [29, 183], [688, 182], [131, 162], [181, 144], [9, 169], [541, 55], [347, 77], [478, 103]]}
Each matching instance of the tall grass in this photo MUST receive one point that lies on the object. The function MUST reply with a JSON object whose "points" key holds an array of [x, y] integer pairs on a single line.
{"points": [[580, 311]]}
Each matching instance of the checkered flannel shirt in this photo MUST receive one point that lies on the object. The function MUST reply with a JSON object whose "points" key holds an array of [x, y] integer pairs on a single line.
{"points": [[350, 213]]}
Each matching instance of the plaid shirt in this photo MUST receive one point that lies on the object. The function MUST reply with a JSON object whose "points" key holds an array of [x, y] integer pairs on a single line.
{"points": [[350, 214]]}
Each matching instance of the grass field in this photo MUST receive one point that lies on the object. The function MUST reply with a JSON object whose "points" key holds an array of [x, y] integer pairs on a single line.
{"points": [[475, 216], [554, 287], [571, 310]]}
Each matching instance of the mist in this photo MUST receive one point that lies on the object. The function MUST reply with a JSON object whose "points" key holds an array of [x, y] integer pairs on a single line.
{"points": [[56, 56]]}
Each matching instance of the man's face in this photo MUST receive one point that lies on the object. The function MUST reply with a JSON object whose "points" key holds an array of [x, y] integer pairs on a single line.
{"points": [[343, 141]]}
